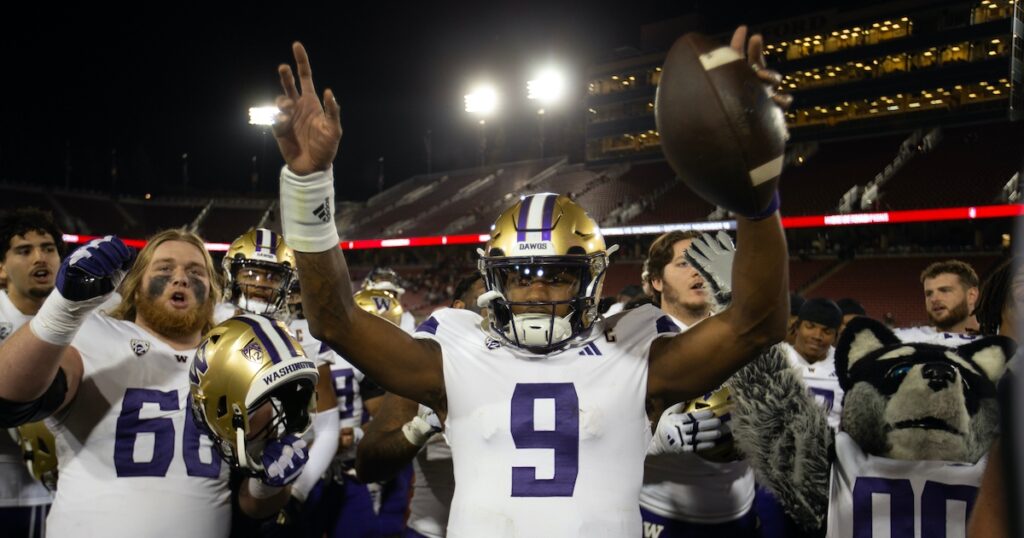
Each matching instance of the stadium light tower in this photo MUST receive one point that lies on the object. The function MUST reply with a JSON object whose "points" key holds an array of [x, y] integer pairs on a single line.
{"points": [[547, 89], [262, 117], [482, 103]]}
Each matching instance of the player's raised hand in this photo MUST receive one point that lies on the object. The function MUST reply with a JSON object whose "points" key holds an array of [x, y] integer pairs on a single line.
{"points": [[306, 132], [95, 269], [712, 257], [754, 51]]}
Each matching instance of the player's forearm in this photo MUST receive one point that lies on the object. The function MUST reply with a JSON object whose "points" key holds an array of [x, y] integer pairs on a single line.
{"points": [[259, 501], [28, 366], [382, 454], [326, 296], [760, 275]]}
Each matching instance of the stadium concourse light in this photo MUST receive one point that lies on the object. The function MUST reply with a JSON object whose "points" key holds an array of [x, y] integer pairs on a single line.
{"points": [[262, 115]]}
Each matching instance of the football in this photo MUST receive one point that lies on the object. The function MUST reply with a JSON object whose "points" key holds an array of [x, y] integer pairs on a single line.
{"points": [[719, 402], [720, 129]]}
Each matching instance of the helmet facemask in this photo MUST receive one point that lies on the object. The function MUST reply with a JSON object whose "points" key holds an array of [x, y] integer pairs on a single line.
{"points": [[539, 326], [259, 287]]}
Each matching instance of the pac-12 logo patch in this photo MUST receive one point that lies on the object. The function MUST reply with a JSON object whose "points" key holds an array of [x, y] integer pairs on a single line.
{"points": [[6, 328], [492, 343], [139, 347], [253, 352]]}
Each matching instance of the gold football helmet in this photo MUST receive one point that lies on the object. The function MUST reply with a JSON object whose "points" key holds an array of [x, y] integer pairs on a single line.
{"points": [[242, 364], [720, 403], [381, 303], [546, 237], [384, 278], [40, 451], [260, 268]]}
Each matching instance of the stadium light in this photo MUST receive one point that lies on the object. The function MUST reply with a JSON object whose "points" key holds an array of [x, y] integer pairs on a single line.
{"points": [[547, 87], [482, 101], [262, 115]]}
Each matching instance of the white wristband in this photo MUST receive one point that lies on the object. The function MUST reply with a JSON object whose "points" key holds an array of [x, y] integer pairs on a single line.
{"points": [[307, 211], [59, 319], [259, 490], [418, 431]]}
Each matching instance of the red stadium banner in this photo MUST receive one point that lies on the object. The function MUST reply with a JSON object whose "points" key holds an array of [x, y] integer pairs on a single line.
{"points": [[815, 221]]}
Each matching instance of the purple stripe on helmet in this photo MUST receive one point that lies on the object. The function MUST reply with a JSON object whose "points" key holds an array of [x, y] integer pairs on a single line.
{"points": [[524, 214], [261, 335], [259, 239], [549, 209], [273, 242], [287, 339]]}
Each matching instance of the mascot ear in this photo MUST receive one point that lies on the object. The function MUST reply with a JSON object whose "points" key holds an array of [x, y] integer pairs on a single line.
{"points": [[990, 354], [861, 337]]}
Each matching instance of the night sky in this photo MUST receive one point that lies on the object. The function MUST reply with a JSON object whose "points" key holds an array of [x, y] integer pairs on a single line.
{"points": [[82, 83]]}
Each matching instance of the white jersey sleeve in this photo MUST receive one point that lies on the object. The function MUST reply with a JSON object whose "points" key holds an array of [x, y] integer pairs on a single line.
{"points": [[314, 349], [131, 460], [546, 445], [17, 486], [408, 322], [873, 496]]}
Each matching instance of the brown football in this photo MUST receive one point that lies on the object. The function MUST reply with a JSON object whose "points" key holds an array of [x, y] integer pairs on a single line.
{"points": [[720, 129]]}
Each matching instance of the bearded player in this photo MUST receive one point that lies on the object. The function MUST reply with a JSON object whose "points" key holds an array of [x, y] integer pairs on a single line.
{"points": [[546, 374], [950, 294], [115, 388]]}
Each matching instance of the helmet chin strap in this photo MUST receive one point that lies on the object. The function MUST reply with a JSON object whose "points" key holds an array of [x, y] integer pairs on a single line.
{"points": [[534, 329], [243, 454], [484, 299], [254, 306], [531, 329]]}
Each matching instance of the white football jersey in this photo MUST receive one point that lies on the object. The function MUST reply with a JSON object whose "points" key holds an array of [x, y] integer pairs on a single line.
{"points": [[433, 487], [346, 388], [17, 486], [408, 322], [547, 445], [314, 349], [132, 462], [928, 335], [223, 312], [820, 378], [873, 496], [687, 487]]}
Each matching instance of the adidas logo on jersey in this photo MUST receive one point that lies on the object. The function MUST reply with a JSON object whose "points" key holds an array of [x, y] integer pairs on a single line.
{"points": [[139, 347], [591, 349], [323, 211]]}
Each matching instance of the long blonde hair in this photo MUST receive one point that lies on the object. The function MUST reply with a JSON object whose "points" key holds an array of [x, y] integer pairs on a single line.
{"points": [[133, 280]]}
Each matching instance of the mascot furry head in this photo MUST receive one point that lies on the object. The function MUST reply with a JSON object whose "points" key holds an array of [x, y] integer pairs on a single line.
{"points": [[919, 409]]}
